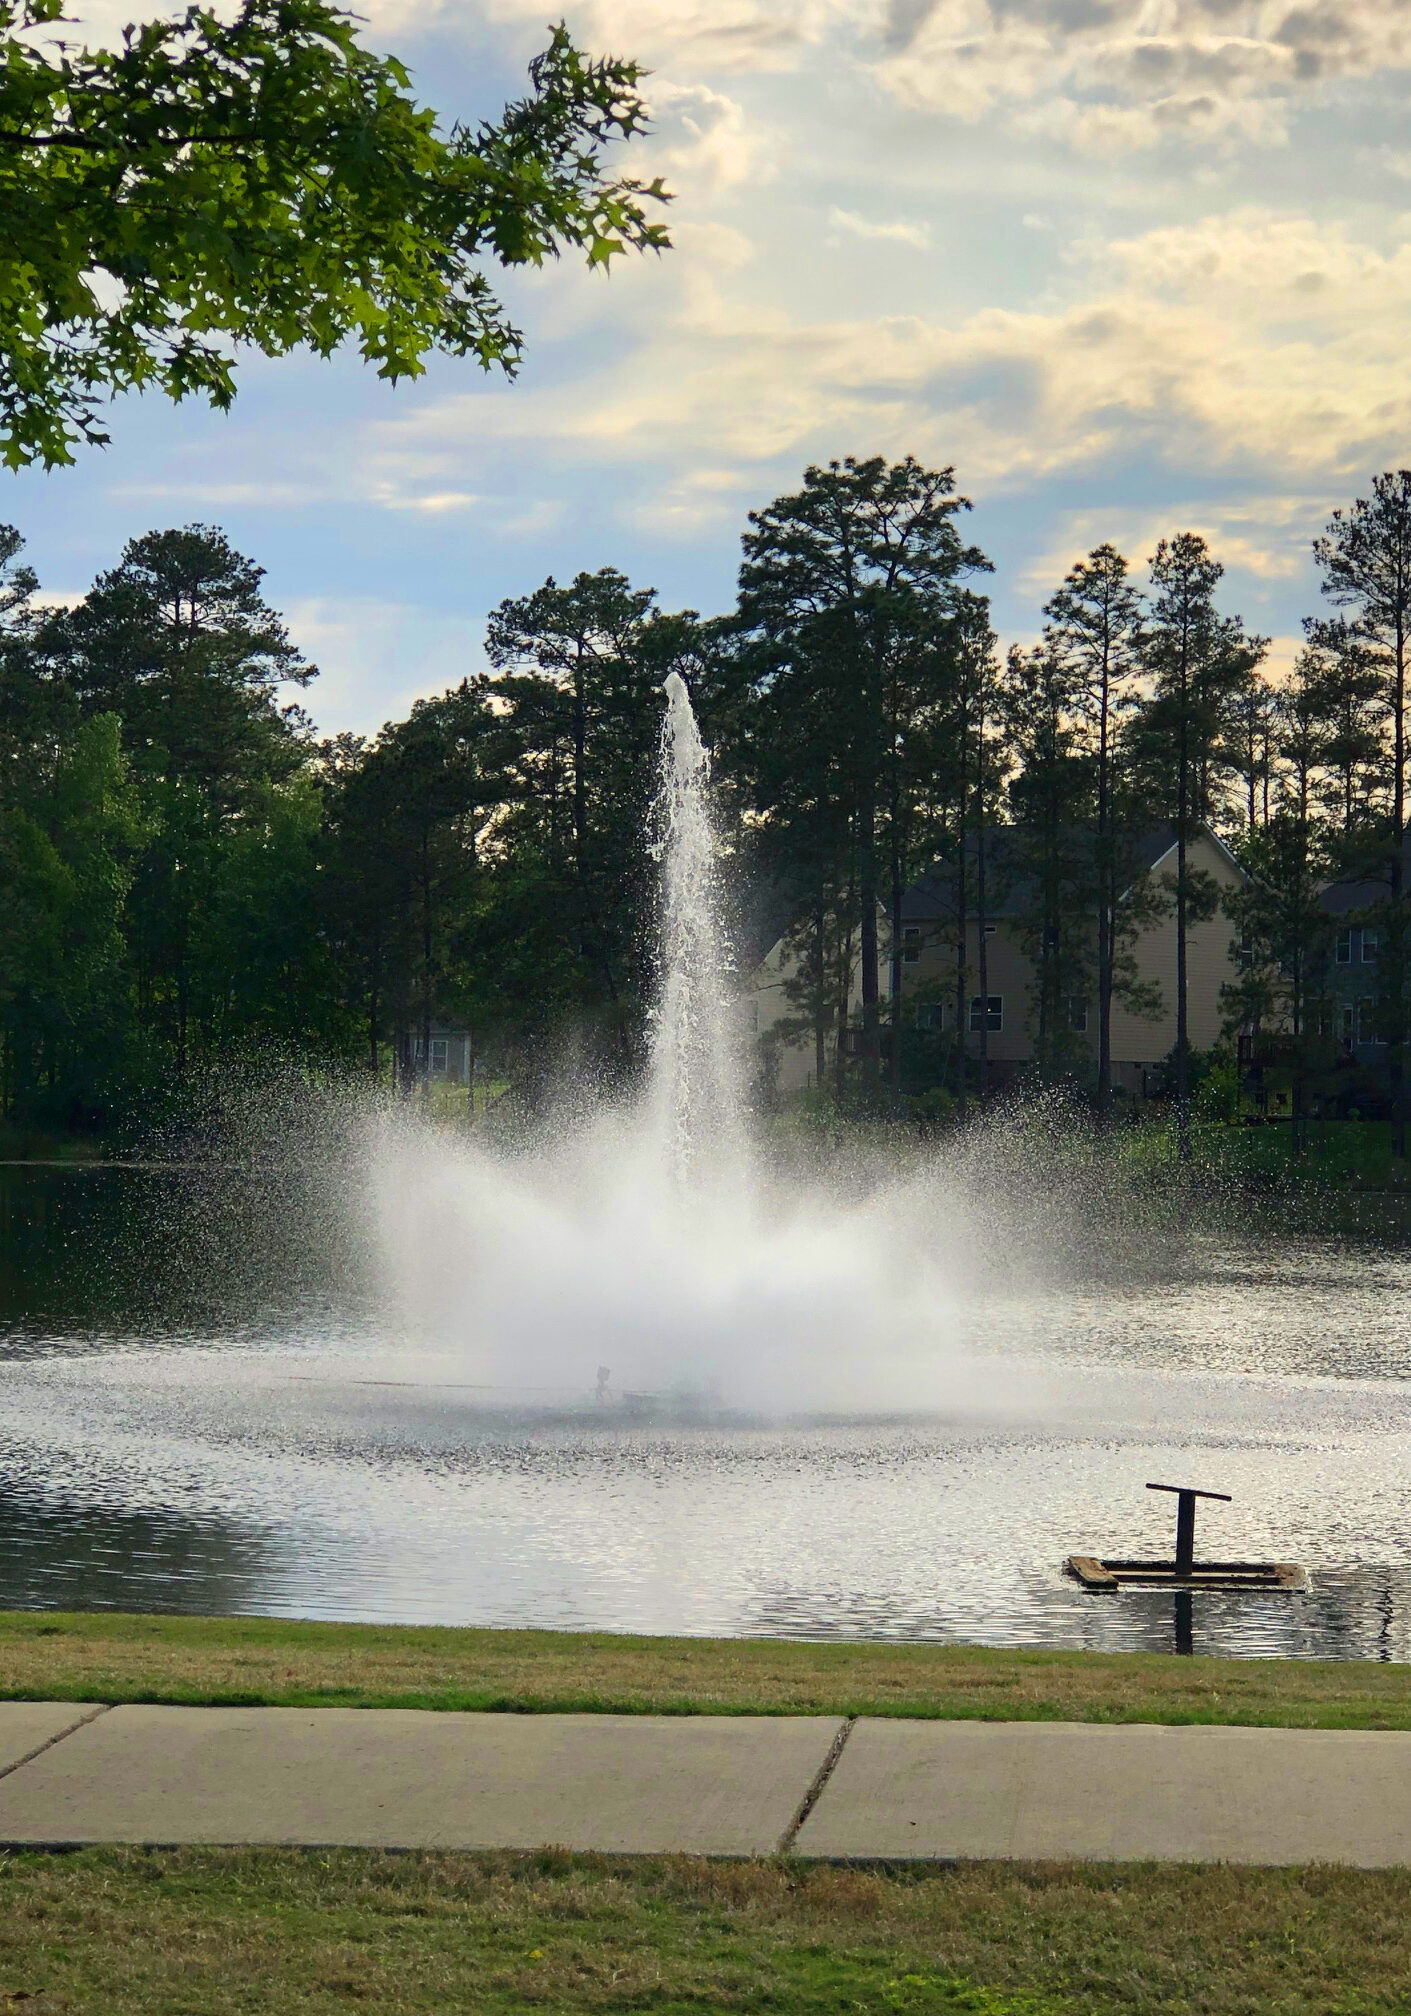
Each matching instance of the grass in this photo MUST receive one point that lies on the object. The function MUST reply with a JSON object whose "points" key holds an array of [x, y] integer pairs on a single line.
{"points": [[260, 1932], [1340, 1154], [242, 1932], [108, 1656]]}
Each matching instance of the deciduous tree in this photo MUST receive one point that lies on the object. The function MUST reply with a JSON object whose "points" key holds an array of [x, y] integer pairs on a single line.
{"points": [[268, 181]]}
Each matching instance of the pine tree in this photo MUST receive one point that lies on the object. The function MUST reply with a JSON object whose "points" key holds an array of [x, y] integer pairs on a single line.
{"points": [[849, 584], [1094, 632], [1365, 560], [1198, 662]]}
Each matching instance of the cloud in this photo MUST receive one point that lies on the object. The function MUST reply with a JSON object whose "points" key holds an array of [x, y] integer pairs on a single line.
{"points": [[1268, 347], [898, 230], [1101, 75], [1263, 536], [1113, 74], [697, 36], [433, 502], [700, 142]]}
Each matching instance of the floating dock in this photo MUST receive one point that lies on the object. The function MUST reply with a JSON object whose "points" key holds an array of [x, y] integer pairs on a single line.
{"points": [[1185, 1572], [1248, 1575]]}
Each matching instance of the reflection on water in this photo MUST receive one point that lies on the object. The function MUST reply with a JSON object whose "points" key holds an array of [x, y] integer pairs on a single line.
{"points": [[292, 1458]]}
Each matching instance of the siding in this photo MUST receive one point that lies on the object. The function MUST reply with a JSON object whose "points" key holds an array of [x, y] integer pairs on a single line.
{"points": [[1009, 973], [1137, 1044], [766, 1003], [1208, 968]]}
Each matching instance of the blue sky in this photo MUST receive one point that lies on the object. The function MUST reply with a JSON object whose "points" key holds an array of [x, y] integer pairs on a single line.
{"points": [[1132, 266]]}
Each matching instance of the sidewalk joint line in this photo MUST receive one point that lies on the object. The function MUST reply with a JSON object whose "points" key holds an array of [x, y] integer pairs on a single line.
{"points": [[815, 1790], [103, 1708]]}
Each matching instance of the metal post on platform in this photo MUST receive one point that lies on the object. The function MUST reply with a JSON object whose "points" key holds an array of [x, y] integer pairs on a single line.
{"points": [[1185, 1532], [1186, 1495]]}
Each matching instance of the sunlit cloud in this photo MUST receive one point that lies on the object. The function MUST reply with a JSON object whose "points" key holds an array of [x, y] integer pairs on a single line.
{"points": [[896, 229], [1250, 341], [1109, 74]]}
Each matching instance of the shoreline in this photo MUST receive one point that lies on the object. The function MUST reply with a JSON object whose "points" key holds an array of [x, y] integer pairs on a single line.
{"points": [[122, 1658]]}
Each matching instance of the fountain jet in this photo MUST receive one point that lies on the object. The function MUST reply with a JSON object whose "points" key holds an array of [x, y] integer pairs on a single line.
{"points": [[695, 1095]]}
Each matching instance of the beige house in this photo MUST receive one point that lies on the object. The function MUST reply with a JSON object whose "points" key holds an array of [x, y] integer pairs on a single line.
{"points": [[1139, 1042], [1007, 1011], [787, 1057]]}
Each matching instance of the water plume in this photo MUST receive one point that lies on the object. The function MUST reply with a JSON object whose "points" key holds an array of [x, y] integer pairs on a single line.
{"points": [[695, 1097], [652, 1241]]}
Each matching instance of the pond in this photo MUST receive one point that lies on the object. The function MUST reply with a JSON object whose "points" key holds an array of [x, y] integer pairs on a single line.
{"points": [[177, 1434]]}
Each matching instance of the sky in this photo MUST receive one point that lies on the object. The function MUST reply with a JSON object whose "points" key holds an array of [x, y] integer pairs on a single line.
{"points": [[1132, 267]]}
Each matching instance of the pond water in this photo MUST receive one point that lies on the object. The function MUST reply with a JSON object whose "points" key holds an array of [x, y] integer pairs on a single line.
{"points": [[178, 1435]]}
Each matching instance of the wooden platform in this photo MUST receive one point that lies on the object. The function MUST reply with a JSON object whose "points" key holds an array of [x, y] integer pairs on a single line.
{"points": [[1252, 1575]]}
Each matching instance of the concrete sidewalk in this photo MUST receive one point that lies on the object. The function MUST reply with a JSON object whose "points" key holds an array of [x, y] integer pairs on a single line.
{"points": [[710, 1785]]}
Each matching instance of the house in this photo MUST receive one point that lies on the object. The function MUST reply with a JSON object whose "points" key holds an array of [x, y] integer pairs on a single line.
{"points": [[1353, 981], [1008, 1013], [773, 954], [452, 1053]]}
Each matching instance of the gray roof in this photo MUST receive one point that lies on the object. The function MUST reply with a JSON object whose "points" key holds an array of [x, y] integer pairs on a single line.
{"points": [[1371, 885], [1011, 889], [762, 912]]}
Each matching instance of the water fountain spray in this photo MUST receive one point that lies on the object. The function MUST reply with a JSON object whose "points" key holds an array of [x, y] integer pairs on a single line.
{"points": [[695, 1066]]}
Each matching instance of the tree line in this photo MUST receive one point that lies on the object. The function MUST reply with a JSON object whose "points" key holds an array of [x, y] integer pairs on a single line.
{"points": [[191, 870]]}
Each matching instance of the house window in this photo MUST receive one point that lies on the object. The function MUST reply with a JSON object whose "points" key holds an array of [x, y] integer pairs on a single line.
{"points": [[983, 1016], [1347, 1029], [440, 1055], [1245, 952], [931, 1015], [1371, 947], [990, 930], [911, 945], [1368, 1030], [1078, 1014], [1344, 952]]}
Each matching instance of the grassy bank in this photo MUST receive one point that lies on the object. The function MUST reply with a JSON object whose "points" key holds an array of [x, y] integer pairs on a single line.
{"points": [[1338, 1155], [119, 1931], [111, 1657]]}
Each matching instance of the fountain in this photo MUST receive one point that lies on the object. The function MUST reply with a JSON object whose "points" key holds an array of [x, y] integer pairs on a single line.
{"points": [[649, 1238], [884, 1389], [695, 1098]]}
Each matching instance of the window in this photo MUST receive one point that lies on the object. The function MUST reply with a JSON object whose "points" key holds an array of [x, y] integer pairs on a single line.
{"points": [[1344, 952], [990, 930], [1367, 1021], [1371, 947], [440, 1055], [911, 945], [986, 1017], [1245, 952], [931, 1015], [1347, 1022], [1078, 1014]]}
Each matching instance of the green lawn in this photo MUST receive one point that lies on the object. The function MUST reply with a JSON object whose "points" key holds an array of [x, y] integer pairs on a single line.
{"points": [[107, 1656], [201, 1932]]}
